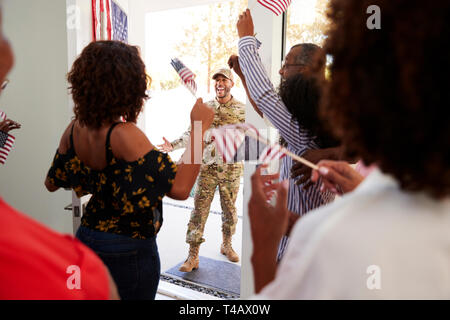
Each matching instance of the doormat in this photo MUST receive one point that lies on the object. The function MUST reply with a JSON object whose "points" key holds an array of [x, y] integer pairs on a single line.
{"points": [[220, 275]]}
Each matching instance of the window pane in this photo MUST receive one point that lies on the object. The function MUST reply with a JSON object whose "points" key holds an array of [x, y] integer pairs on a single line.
{"points": [[306, 22]]}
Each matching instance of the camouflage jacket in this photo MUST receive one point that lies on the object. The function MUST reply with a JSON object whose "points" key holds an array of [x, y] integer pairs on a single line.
{"points": [[229, 113]]}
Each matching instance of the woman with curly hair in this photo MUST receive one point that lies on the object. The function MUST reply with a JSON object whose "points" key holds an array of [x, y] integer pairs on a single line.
{"points": [[389, 237], [102, 152]]}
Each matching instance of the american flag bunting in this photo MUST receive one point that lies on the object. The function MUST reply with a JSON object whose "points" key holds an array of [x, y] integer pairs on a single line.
{"points": [[110, 22]]}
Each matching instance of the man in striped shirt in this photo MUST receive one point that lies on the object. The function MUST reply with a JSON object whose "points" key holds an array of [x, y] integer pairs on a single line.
{"points": [[266, 101]]}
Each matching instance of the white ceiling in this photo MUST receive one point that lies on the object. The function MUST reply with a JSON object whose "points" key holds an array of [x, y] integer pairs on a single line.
{"points": [[159, 5]]}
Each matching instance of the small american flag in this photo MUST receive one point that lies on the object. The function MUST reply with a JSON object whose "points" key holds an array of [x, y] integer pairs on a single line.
{"points": [[229, 138], [6, 144], [2, 116], [186, 75], [273, 152], [276, 6]]}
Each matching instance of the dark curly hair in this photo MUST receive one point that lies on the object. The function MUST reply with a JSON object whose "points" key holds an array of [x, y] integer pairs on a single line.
{"points": [[107, 81], [389, 90], [301, 95]]}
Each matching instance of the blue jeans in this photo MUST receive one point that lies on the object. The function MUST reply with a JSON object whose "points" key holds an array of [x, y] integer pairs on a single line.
{"points": [[134, 264]]}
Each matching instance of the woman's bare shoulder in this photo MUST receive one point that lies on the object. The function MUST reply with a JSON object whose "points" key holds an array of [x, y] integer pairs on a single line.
{"points": [[64, 143], [129, 143]]}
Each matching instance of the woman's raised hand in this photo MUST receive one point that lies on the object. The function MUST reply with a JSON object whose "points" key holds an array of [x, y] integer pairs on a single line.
{"points": [[203, 113]]}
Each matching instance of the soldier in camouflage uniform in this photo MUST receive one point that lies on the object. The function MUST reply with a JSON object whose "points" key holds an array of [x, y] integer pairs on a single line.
{"points": [[214, 173]]}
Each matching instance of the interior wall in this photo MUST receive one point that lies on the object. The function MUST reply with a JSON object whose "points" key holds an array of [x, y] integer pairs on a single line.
{"points": [[136, 36], [37, 98]]}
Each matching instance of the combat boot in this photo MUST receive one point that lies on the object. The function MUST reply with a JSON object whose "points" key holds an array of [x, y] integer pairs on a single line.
{"points": [[227, 250], [192, 260]]}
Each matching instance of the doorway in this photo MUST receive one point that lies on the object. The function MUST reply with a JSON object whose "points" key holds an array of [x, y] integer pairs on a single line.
{"points": [[202, 37]]}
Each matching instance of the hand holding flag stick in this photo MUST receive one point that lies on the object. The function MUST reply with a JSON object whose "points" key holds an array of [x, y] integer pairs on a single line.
{"points": [[273, 150]]}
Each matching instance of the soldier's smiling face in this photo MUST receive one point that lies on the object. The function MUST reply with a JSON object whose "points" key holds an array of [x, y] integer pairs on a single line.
{"points": [[223, 86]]}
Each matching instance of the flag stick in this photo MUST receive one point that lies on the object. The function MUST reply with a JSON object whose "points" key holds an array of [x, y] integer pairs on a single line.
{"points": [[292, 155], [190, 90]]}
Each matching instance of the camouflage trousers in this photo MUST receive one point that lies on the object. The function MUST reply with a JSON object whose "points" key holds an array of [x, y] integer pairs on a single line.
{"points": [[227, 177]]}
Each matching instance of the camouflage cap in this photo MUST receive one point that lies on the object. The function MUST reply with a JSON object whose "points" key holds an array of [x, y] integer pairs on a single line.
{"points": [[224, 72]]}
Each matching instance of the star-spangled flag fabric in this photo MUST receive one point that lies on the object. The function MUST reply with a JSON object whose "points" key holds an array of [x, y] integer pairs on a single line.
{"points": [[229, 138], [276, 6], [186, 75], [6, 144], [119, 23]]}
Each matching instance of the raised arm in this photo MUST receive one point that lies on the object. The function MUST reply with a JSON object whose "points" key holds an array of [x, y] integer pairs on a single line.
{"points": [[233, 63], [260, 87]]}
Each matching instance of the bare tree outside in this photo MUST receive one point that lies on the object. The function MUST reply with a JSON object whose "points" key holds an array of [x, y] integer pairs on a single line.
{"points": [[212, 38], [208, 36], [307, 22]]}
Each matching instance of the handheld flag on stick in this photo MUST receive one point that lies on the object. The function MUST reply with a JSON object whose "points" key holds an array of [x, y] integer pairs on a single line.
{"points": [[276, 6], [271, 153], [186, 75], [6, 144], [6, 141], [229, 138]]}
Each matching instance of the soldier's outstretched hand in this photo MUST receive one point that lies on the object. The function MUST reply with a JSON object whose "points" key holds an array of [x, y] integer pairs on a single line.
{"points": [[166, 146]]}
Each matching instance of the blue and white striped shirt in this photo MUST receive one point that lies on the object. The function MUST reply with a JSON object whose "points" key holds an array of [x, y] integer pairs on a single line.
{"points": [[298, 139]]}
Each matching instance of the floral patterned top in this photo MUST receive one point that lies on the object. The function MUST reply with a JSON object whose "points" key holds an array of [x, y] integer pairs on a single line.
{"points": [[126, 196]]}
